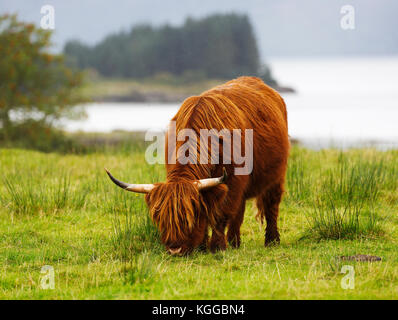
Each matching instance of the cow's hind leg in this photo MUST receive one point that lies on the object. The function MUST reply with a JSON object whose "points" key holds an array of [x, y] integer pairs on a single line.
{"points": [[268, 206], [233, 234]]}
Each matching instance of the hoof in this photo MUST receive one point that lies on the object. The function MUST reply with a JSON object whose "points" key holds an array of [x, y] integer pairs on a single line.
{"points": [[218, 246], [234, 242], [271, 242]]}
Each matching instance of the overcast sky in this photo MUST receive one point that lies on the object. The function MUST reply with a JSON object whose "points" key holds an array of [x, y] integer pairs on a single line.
{"points": [[283, 27]]}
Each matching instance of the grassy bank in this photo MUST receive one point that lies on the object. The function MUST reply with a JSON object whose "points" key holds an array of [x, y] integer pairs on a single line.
{"points": [[164, 88], [61, 210], [161, 89]]}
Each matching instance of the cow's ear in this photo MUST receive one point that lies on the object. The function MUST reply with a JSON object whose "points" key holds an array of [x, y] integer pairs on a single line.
{"points": [[213, 200], [216, 194]]}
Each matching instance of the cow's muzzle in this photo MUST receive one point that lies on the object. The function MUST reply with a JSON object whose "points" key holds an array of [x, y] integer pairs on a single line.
{"points": [[175, 251]]}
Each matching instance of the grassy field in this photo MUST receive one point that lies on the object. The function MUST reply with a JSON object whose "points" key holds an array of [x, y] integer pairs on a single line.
{"points": [[61, 210]]}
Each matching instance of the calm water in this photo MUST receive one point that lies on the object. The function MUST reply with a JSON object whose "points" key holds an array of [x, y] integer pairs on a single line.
{"points": [[339, 102]]}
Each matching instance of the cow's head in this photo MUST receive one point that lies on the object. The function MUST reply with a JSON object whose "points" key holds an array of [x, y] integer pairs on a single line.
{"points": [[175, 207]]}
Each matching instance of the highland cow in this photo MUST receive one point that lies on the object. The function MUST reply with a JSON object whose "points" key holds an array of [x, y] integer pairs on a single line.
{"points": [[199, 196]]}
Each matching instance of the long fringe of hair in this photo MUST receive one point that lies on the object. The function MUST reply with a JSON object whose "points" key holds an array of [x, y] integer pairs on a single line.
{"points": [[173, 207]]}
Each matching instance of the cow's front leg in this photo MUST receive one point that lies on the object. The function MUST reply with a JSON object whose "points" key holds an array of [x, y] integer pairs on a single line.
{"points": [[233, 234], [218, 241], [203, 245]]}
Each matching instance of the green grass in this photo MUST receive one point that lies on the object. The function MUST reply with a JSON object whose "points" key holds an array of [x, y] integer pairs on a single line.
{"points": [[61, 210]]}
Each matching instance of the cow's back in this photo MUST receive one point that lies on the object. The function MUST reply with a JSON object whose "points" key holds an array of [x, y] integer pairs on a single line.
{"points": [[244, 103]]}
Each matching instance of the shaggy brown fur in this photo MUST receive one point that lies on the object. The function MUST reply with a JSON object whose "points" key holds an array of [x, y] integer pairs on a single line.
{"points": [[182, 213]]}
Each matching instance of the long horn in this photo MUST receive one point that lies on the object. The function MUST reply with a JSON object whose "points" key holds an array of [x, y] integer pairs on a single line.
{"points": [[212, 182], [140, 188]]}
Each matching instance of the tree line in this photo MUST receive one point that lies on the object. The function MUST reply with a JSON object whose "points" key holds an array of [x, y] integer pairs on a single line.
{"points": [[217, 46]]}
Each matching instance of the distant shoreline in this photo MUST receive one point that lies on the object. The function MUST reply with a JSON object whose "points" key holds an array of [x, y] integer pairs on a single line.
{"points": [[152, 92]]}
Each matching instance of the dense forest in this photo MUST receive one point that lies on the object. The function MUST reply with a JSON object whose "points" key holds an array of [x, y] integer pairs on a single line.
{"points": [[217, 46]]}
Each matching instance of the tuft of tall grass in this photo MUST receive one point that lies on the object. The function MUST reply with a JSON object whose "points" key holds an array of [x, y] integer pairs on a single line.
{"points": [[354, 180], [349, 221], [28, 194], [298, 178], [345, 206]]}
